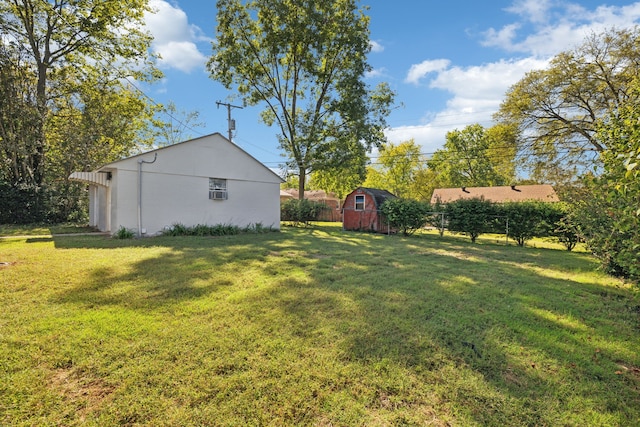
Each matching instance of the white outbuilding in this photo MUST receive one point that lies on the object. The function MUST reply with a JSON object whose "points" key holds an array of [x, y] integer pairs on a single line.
{"points": [[207, 180]]}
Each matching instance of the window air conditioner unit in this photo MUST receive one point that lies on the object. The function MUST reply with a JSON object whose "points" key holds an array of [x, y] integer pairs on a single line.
{"points": [[217, 195]]}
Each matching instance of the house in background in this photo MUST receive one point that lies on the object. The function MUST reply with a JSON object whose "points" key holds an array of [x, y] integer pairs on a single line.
{"points": [[332, 213], [284, 196], [361, 210], [207, 180], [503, 194]]}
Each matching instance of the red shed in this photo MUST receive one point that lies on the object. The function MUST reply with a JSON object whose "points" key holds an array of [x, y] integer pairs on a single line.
{"points": [[361, 210]]}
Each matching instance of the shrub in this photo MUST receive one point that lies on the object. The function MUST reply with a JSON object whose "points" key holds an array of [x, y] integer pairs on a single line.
{"points": [[405, 215], [471, 217], [566, 231], [124, 233], [178, 229], [607, 222], [301, 211], [529, 219], [30, 203]]}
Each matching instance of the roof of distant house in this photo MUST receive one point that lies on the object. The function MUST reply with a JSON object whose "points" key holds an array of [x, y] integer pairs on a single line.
{"points": [[513, 193], [309, 194]]}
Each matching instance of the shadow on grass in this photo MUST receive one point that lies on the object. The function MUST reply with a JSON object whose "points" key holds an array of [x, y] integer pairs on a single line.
{"points": [[169, 270], [513, 345], [498, 335]]}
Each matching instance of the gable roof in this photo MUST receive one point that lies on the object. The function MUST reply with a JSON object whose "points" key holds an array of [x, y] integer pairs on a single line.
{"points": [[514, 193], [379, 196], [179, 144]]}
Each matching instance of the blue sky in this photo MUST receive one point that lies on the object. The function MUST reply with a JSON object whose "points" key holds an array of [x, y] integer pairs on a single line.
{"points": [[450, 62]]}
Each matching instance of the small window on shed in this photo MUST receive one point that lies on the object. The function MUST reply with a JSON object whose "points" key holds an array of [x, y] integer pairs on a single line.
{"points": [[218, 189], [360, 203]]}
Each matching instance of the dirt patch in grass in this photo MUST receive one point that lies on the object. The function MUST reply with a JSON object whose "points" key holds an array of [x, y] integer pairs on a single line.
{"points": [[86, 394]]}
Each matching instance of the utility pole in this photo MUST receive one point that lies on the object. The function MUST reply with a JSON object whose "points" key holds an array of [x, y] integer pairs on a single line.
{"points": [[230, 121]]}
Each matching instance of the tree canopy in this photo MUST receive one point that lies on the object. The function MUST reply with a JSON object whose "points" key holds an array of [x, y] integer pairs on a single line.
{"points": [[557, 109], [66, 102], [475, 156], [305, 61], [607, 214], [57, 41], [397, 169]]}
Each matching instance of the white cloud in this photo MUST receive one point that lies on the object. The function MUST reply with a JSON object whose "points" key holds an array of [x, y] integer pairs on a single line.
{"points": [[429, 137], [419, 71], [488, 81], [174, 39], [376, 73], [531, 10], [501, 37], [477, 91], [181, 55], [375, 46], [557, 26]]}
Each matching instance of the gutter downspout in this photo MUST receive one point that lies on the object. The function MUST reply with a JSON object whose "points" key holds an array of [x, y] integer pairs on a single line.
{"points": [[140, 162]]}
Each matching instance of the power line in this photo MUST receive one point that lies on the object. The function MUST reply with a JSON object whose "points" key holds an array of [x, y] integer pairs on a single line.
{"points": [[231, 123]]}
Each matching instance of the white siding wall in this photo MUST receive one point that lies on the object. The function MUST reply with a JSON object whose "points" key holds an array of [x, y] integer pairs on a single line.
{"points": [[175, 188]]}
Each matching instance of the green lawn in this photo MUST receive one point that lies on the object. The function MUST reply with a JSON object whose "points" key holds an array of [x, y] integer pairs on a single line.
{"points": [[312, 326]]}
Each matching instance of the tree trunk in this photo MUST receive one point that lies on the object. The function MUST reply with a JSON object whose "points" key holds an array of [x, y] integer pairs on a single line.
{"points": [[302, 178], [40, 143]]}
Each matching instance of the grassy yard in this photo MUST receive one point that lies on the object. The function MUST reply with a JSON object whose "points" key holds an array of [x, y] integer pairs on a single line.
{"points": [[312, 326]]}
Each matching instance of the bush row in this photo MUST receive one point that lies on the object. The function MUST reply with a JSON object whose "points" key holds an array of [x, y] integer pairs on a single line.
{"points": [[521, 221], [179, 229], [214, 230], [29, 204]]}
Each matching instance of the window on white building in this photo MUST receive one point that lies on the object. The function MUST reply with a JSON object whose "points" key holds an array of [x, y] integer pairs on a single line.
{"points": [[218, 189]]}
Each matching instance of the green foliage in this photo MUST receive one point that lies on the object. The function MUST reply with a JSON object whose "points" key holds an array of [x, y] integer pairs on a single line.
{"points": [[301, 211], [608, 213], [201, 230], [557, 109], [475, 156], [124, 233], [21, 203], [63, 105], [305, 61], [19, 116], [406, 215], [340, 179], [471, 217], [529, 219], [567, 232], [396, 170], [29, 203]]}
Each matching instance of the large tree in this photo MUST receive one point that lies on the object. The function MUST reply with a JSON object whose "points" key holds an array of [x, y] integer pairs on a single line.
{"points": [[19, 118], [397, 169], [306, 61], [100, 123], [60, 37], [475, 156], [556, 109], [608, 213], [340, 179]]}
